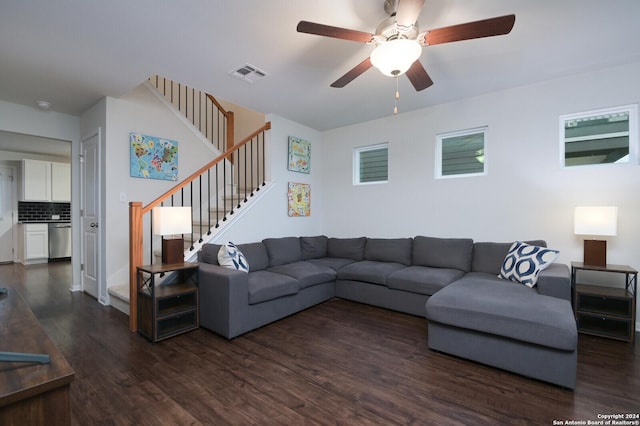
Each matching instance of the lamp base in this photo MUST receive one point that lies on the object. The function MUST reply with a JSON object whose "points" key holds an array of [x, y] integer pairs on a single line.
{"points": [[172, 250], [595, 252]]}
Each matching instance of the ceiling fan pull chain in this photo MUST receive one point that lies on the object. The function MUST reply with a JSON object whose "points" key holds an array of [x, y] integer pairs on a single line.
{"points": [[395, 107]]}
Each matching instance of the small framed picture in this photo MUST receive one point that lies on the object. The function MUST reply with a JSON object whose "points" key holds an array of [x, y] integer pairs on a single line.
{"points": [[299, 155], [299, 199]]}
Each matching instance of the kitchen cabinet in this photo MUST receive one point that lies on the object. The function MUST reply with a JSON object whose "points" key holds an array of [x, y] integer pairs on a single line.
{"points": [[60, 182], [36, 242], [36, 180], [46, 181]]}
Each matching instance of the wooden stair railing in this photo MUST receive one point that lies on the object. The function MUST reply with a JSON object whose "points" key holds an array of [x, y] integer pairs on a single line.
{"points": [[251, 174], [203, 111]]}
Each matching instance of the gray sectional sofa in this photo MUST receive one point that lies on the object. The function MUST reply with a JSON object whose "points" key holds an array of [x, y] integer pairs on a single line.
{"points": [[471, 312]]}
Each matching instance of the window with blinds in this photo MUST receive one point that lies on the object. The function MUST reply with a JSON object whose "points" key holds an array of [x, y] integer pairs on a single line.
{"points": [[462, 153], [371, 164], [599, 137]]}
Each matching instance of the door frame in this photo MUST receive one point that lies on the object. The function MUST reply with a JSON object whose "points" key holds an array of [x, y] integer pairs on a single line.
{"points": [[15, 256]]}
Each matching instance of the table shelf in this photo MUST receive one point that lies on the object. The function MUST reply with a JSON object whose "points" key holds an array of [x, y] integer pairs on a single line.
{"points": [[603, 310], [168, 309]]}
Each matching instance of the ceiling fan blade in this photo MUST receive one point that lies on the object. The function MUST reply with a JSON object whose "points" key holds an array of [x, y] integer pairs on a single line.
{"points": [[418, 76], [335, 32], [352, 74], [478, 29], [408, 12]]}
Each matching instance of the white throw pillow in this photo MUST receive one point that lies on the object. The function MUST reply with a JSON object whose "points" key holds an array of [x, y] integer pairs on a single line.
{"points": [[524, 263], [231, 257]]}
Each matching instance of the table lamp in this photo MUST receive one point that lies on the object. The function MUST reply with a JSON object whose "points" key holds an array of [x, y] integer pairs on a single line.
{"points": [[171, 223], [595, 221]]}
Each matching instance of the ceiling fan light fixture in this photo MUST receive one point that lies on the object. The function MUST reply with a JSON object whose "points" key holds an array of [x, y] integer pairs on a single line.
{"points": [[395, 57]]}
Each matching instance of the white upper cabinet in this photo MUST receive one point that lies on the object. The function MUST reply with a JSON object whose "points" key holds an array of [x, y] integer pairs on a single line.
{"points": [[46, 181], [36, 180], [61, 182]]}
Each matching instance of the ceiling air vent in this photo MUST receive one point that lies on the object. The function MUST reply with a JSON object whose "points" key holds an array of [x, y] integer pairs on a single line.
{"points": [[248, 73]]}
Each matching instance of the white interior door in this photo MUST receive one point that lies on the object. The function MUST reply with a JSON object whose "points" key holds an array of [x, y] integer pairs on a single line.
{"points": [[90, 217], [7, 219]]}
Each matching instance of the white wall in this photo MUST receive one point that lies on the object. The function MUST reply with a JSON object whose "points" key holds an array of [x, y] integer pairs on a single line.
{"points": [[139, 111], [526, 193], [246, 120], [269, 218]]}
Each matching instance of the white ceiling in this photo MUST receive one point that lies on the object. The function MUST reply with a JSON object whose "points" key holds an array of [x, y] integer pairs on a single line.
{"points": [[73, 52]]}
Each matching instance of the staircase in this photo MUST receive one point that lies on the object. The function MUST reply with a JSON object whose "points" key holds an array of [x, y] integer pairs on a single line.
{"points": [[218, 193]]}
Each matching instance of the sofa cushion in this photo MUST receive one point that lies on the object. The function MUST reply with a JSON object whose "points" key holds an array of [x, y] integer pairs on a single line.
{"points": [[313, 247], [422, 279], [485, 303], [283, 250], [369, 271], [256, 255], [524, 263], [346, 248], [209, 253], [396, 250], [488, 257], [229, 256], [334, 263], [451, 253], [307, 274], [265, 285]]}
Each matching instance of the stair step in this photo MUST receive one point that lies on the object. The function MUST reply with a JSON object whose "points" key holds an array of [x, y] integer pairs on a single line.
{"points": [[119, 297]]}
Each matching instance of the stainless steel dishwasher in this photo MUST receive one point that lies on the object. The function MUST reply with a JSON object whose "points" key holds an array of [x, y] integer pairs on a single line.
{"points": [[59, 240]]}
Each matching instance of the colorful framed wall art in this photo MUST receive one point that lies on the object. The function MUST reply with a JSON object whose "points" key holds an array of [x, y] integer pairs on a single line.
{"points": [[299, 155], [299, 199], [153, 157]]}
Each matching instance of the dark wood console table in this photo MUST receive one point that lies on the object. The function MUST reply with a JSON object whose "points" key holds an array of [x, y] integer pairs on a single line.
{"points": [[33, 394]]}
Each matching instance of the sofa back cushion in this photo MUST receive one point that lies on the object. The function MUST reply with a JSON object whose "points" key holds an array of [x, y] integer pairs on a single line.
{"points": [[256, 255], [283, 250], [313, 247], [488, 257], [396, 250], [346, 248], [209, 253], [450, 253]]}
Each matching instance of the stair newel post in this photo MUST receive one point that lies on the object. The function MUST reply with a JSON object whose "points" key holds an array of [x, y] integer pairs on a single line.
{"points": [[135, 259]]}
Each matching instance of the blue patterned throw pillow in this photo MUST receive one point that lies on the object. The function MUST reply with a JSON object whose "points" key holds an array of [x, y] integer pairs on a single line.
{"points": [[231, 257], [524, 263]]}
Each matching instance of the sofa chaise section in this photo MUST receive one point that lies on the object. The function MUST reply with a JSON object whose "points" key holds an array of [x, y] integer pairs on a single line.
{"points": [[529, 331]]}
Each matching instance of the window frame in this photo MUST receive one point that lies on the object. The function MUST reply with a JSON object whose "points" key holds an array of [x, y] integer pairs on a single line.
{"points": [[440, 137], [631, 109], [356, 163]]}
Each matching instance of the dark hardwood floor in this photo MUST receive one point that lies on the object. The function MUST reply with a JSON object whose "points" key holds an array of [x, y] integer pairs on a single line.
{"points": [[337, 363]]}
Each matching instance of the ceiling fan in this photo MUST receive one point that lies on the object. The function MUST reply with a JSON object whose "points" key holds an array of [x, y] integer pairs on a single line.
{"points": [[399, 42]]}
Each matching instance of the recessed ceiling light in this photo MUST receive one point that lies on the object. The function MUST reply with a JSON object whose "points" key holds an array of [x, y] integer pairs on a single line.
{"points": [[44, 104]]}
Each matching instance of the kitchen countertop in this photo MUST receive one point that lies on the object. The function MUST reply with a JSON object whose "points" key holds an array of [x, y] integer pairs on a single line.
{"points": [[45, 221]]}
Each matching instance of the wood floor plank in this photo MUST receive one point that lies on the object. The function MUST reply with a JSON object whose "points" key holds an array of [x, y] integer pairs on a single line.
{"points": [[336, 363]]}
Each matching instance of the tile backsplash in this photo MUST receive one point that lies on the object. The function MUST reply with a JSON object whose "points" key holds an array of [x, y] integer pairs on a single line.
{"points": [[29, 211]]}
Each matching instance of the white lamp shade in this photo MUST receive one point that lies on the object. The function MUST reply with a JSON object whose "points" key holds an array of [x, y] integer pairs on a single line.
{"points": [[171, 220], [596, 220], [395, 57]]}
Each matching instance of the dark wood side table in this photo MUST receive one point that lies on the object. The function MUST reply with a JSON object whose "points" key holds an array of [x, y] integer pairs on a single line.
{"points": [[166, 310], [605, 311]]}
